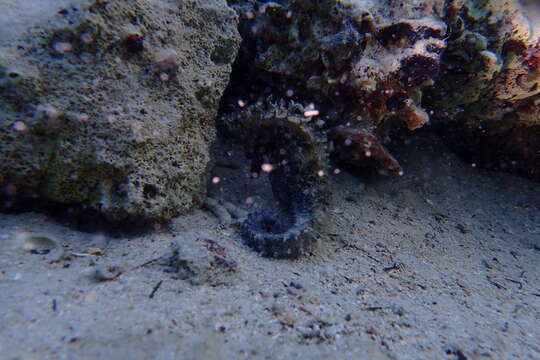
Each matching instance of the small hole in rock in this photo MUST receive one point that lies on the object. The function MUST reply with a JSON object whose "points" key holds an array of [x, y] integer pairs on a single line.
{"points": [[149, 191]]}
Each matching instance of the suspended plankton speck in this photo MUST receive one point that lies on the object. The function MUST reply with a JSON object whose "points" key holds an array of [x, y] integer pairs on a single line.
{"points": [[267, 167], [348, 142], [241, 103], [216, 180], [289, 14], [473, 165], [249, 15], [20, 126], [83, 117], [367, 153], [87, 38], [337, 171], [62, 47], [309, 113], [250, 200], [320, 173], [164, 77], [289, 93], [400, 173]]}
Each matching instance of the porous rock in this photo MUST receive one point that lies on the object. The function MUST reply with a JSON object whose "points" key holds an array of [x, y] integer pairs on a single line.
{"points": [[200, 260], [319, 78], [487, 101], [363, 64], [111, 104]]}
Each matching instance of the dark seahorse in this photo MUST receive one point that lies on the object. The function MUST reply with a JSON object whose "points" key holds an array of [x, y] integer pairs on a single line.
{"points": [[279, 133]]}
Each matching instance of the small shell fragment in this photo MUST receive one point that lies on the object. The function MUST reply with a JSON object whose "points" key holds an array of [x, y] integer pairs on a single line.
{"points": [[40, 244]]}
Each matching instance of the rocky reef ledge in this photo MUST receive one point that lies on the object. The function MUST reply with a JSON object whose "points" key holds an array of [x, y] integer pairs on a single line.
{"points": [[357, 74], [113, 105], [110, 105]]}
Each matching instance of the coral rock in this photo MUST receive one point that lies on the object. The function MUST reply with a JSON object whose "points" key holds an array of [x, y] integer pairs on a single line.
{"points": [[111, 104]]}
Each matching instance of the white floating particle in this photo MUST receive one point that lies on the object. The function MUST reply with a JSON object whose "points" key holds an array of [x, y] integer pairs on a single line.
{"points": [[309, 113], [241, 103], [87, 38], [368, 153], [164, 77], [216, 180], [289, 93], [62, 47], [400, 173], [320, 173], [20, 126], [267, 167], [337, 171], [348, 142], [83, 117]]}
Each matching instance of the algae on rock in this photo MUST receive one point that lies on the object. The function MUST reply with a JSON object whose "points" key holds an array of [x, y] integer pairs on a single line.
{"points": [[472, 67], [488, 98], [363, 64], [111, 104]]}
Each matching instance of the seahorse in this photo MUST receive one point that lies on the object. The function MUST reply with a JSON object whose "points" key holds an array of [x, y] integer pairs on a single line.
{"points": [[317, 80]]}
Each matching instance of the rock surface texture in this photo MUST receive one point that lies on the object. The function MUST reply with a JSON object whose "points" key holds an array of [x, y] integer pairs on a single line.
{"points": [[324, 79], [342, 78], [363, 64], [112, 104], [488, 96]]}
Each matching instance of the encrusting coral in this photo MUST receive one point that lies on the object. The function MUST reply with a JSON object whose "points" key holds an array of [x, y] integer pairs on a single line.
{"points": [[364, 66], [110, 105], [487, 100], [366, 69]]}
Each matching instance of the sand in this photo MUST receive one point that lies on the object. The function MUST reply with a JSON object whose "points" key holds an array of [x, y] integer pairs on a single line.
{"points": [[441, 263]]}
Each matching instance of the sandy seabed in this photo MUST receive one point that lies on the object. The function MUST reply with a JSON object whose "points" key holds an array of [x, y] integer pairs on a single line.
{"points": [[441, 263]]}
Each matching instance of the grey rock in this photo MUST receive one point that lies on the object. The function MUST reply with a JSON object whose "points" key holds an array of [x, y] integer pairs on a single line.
{"points": [[200, 260], [112, 104]]}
